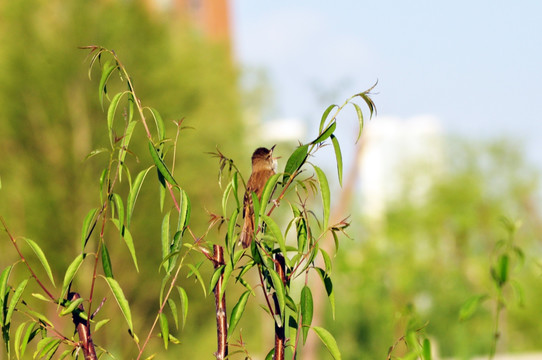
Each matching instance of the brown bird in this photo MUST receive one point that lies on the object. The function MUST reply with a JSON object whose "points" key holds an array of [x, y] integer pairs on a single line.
{"points": [[263, 165]]}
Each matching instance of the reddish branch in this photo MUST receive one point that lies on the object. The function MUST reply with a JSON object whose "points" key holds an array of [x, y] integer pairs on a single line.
{"points": [[279, 330], [220, 303], [83, 330]]}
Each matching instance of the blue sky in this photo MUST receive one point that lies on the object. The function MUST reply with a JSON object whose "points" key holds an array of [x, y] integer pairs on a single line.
{"points": [[474, 65]]}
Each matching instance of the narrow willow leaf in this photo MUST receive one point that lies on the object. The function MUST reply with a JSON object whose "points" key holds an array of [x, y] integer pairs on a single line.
{"points": [[41, 256], [228, 269], [70, 273], [30, 333], [502, 266], [15, 300], [230, 238], [325, 115], [106, 262], [40, 317], [329, 289], [174, 251], [306, 310], [117, 200], [134, 193], [95, 152], [327, 260], [338, 158], [470, 306], [174, 312], [278, 285], [326, 196], [65, 354], [18, 338], [71, 307], [111, 115], [225, 196], [164, 329], [326, 134], [329, 341], [107, 69], [128, 240], [274, 229], [426, 349], [238, 311], [100, 323], [360, 119], [125, 142], [295, 161], [194, 270], [215, 277], [159, 124], [165, 235], [184, 303], [186, 209], [40, 297], [268, 192], [160, 165], [121, 300], [85, 231]]}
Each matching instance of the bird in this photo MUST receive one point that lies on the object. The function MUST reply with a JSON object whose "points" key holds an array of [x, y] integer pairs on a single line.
{"points": [[263, 167]]}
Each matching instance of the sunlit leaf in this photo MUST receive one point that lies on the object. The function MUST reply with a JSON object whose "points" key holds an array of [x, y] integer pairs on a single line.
{"points": [[125, 142], [165, 235], [111, 115], [324, 191], [184, 303], [306, 310], [325, 115], [121, 300], [72, 306], [360, 119], [215, 277], [470, 306], [41, 256], [159, 124], [15, 300], [174, 312], [134, 193], [280, 292], [329, 289], [160, 165], [128, 240], [238, 311], [85, 231], [326, 134], [295, 161], [164, 329], [70, 273], [106, 262], [194, 271], [329, 341], [107, 69], [119, 206], [274, 229], [268, 192], [338, 158], [426, 353]]}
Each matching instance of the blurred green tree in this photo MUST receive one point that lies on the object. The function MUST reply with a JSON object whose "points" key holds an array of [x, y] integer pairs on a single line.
{"points": [[423, 259]]}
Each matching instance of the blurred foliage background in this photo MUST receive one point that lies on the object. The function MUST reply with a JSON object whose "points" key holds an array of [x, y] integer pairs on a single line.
{"points": [[419, 262]]}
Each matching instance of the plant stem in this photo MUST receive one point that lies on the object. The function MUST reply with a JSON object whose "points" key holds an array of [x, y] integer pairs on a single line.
{"points": [[220, 304], [279, 330]]}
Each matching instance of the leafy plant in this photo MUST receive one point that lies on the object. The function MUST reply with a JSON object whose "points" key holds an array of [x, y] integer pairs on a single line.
{"points": [[279, 256]]}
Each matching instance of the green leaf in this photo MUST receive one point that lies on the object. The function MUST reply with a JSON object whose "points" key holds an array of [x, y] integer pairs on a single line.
{"points": [[502, 269], [15, 300], [184, 214], [426, 354], [85, 231], [360, 119], [306, 310], [174, 312], [327, 133], [4, 289], [121, 300], [326, 196], [295, 161], [338, 158], [18, 335], [280, 293], [95, 152], [117, 200], [164, 329], [228, 269], [160, 165], [128, 240], [470, 306], [41, 256], [327, 260], [194, 270], [70, 273], [329, 289], [100, 323], [184, 303], [325, 115], [72, 306], [106, 262], [268, 192], [329, 341], [125, 142], [111, 115], [274, 229], [107, 69], [159, 124], [238, 311], [134, 193], [230, 238], [30, 333], [216, 276], [165, 236]]}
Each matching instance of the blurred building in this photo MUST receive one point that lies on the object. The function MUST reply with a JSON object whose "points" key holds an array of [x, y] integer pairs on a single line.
{"points": [[400, 160]]}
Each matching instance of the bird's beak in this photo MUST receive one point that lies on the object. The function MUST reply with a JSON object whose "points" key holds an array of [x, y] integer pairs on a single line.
{"points": [[273, 147]]}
